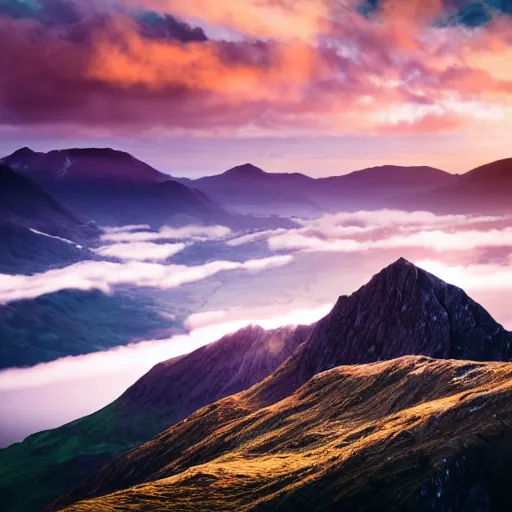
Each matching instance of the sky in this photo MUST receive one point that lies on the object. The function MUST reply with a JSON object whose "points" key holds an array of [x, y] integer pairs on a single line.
{"points": [[315, 86]]}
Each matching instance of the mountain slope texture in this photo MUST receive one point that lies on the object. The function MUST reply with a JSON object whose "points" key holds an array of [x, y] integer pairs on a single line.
{"points": [[413, 434]]}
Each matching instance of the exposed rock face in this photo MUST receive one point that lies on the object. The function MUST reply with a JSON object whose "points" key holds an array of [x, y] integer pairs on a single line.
{"points": [[403, 310]]}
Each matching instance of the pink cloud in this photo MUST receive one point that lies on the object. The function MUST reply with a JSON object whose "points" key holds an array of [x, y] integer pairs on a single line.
{"points": [[320, 67]]}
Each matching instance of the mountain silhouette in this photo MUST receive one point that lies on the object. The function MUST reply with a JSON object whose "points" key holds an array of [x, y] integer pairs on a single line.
{"points": [[248, 188]]}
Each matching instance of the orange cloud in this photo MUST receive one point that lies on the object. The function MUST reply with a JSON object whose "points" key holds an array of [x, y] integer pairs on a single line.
{"points": [[257, 72], [395, 71]]}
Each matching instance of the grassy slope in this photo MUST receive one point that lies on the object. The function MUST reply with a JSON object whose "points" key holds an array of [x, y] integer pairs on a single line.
{"points": [[55, 461], [50, 462], [371, 437]]}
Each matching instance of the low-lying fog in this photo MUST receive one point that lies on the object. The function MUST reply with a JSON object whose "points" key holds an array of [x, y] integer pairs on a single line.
{"points": [[293, 276]]}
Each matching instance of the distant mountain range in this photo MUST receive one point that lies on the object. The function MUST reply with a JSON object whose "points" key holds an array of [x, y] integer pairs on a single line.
{"points": [[486, 189], [83, 166], [249, 189], [403, 310], [113, 187]]}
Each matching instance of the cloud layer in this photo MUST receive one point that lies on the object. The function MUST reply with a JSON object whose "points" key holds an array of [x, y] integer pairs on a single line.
{"points": [[140, 251], [141, 233], [261, 66], [387, 229], [48, 395], [103, 275]]}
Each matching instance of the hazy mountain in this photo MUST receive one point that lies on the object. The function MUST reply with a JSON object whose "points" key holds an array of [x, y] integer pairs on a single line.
{"points": [[83, 166], [74, 322], [486, 189], [247, 188], [113, 187], [24, 203], [377, 187], [55, 461], [411, 434]]}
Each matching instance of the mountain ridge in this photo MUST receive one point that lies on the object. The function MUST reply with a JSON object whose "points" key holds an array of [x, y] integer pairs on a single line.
{"points": [[406, 434], [154, 400], [402, 310]]}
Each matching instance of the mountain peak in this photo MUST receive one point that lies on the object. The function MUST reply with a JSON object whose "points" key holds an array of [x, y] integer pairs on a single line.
{"points": [[23, 152], [402, 310], [246, 169], [91, 152], [400, 264]]}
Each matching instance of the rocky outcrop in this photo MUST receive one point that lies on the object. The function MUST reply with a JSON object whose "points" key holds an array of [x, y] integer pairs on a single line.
{"points": [[403, 310]]}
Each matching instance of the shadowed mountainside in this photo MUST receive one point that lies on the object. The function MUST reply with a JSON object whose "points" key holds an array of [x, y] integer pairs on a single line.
{"points": [[411, 434], [74, 322], [23, 203], [19, 244], [486, 189], [113, 187], [83, 166], [55, 461]]}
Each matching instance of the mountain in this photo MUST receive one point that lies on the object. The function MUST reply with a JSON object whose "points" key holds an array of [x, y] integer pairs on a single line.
{"points": [[25, 204], [249, 189], [55, 461], [113, 188], [486, 189], [403, 310], [377, 187], [19, 244], [74, 322], [411, 434], [83, 166]]}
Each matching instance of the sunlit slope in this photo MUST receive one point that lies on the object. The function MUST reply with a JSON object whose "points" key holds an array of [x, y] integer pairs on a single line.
{"points": [[52, 462], [409, 434]]}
